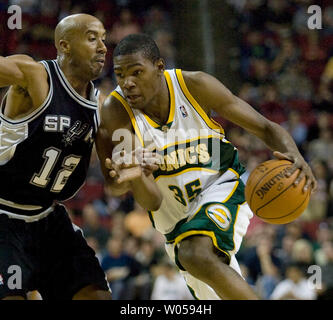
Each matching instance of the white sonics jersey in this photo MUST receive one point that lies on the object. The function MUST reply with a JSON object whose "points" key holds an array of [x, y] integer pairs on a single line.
{"points": [[193, 151]]}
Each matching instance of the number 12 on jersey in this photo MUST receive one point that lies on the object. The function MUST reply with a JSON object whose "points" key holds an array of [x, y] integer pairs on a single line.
{"points": [[192, 189], [51, 156]]}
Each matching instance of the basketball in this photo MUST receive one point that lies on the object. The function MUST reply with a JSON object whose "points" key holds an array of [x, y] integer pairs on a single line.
{"points": [[272, 196]]}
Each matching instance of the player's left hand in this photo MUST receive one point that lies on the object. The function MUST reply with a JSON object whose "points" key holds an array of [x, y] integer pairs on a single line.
{"points": [[129, 166], [123, 167], [148, 160], [305, 170]]}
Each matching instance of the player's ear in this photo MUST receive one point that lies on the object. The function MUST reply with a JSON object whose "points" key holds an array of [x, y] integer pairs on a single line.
{"points": [[64, 46], [160, 65]]}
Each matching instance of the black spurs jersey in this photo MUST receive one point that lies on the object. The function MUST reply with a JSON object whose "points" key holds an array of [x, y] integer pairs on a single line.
{"points": [[44, 157]]}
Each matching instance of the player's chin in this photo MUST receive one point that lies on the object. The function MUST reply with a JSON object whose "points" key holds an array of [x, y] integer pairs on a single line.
{"points": [[96, 72], [96, 69]]}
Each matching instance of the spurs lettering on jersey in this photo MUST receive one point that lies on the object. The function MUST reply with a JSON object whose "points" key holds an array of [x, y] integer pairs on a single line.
{"points": [[56, 123], [75, 132]]}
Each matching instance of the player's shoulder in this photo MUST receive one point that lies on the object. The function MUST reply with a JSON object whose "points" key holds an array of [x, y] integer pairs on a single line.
{"points": [[113, 112], [196, 80], [112, 104], [34, 71], [25, 60], [21, 57], [193, 76]]}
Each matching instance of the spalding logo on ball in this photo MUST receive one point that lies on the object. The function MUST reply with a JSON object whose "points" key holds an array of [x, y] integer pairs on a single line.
{"points": [[272, 196]]}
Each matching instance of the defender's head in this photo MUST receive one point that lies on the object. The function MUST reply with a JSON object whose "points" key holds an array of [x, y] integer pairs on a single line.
{"points": [[79, 39], [139, 69]]}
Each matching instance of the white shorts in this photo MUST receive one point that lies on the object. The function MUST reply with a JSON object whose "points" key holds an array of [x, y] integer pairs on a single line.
{"points": [[221, 213]]}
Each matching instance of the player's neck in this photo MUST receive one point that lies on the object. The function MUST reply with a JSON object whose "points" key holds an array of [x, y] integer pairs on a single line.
{"points": [[79, 84], [159, 108]]}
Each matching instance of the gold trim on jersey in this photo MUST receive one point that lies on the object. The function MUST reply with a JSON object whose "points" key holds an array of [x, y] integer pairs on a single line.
{"points": [[235, 172], [194, 139], [172, 104], [202, 232], [233, 229], [210, 122], [130, 113], [187, 170], [232, 192]]}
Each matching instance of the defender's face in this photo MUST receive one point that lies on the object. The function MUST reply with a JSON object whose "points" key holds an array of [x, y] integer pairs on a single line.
{"points": [[88, 49], [139, 78]]}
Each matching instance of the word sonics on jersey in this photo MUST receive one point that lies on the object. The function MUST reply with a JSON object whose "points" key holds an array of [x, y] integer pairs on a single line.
{"points": [[181, 149]]}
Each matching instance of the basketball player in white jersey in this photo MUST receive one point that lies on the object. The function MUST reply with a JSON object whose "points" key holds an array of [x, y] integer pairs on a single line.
{"points": [[203, 215]]}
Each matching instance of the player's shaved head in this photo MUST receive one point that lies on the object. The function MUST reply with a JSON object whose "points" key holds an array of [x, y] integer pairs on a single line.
{"points": [[70, 25]]}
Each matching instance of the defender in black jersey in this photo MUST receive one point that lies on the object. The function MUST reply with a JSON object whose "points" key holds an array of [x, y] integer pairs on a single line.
{"points": [[48, 123]]}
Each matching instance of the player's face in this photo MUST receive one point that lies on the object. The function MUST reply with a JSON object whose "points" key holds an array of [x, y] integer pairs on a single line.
{"points": [[139, 78], [88, 49]]}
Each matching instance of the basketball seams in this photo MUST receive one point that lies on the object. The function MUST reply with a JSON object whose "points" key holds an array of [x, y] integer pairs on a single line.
{"points": [[305, 199], [254, 188], [278, 195]]}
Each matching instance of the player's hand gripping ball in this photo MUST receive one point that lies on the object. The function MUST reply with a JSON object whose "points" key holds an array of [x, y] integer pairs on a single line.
{"points": [[272, 196]]}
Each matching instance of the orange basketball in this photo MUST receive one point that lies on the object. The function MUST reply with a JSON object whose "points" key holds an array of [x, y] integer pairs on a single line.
{"points": [[272, 196]]}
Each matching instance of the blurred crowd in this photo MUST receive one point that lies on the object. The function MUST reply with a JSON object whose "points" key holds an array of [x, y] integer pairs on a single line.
{"points": [[286, 73]]}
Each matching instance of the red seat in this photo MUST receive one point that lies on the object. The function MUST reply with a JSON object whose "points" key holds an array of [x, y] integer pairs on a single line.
{"points": [[299, 104]]}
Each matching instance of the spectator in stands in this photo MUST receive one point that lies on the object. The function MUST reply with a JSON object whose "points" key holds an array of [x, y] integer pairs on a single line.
{"points": [[117, 224], [270, 106], [326, 85], [314, 56], [294, 287], [156, 20], [287, 56], [148, 258], [263, 264], [326, 292], [170, 285], [317, 208], [302, 253], [286, 84], [137, 222], [124, 26], [321, 148], [285, 252], [324, 235], [278, 13], [93, 244], [163, 40], [121, 269], [294, 230], [300, 18], [296, 128], [328, 21], [250, 93], [92, 225], [322, 123]]}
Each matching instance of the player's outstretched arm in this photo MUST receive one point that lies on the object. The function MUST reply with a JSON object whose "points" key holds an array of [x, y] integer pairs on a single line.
{"points": [[117, 150], [25, 76], [211, 94], [17, 69]]}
